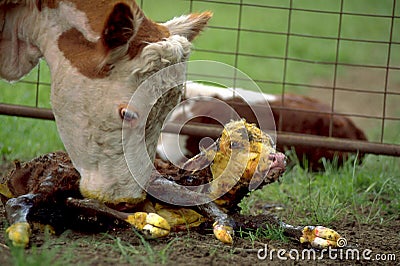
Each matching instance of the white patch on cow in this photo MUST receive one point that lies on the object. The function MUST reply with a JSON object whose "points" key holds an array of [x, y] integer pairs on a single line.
{"points": [[194, 89], [155, 56], [175, 155], [78, 19], [178, 25], [182, 110], [253, 97], [18, 54], [187, 25]]}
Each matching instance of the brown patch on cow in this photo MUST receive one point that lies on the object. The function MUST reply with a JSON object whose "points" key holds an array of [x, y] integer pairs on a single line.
{"points": [[315, 122], [117, 30], [304, 115], [86, 56], [98, 13]]}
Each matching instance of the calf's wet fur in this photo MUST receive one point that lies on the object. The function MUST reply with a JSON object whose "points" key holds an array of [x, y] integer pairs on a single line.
{"points": [[45, 190]]}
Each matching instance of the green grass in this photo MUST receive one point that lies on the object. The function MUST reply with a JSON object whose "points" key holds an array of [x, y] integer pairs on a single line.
{"points": [[144, 253], [25, 138], [35, 257], [271, 43], [261, 234], [367, 193], [123, 252], [44, 255]]}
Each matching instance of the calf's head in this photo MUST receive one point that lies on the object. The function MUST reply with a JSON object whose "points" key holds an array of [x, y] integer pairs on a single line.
{"points": [[99, 53]]}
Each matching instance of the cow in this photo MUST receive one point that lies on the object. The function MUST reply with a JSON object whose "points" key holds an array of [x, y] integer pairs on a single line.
{"points": [[99, 53]]}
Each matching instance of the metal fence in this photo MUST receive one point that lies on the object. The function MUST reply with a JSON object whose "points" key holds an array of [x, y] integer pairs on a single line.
{"points": [[343, 52]]}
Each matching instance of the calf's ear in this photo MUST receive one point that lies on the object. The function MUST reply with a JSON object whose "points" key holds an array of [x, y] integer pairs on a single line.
{"points": [[188, 26], [120, 26]]}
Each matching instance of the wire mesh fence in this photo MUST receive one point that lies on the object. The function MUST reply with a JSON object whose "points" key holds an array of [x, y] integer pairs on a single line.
{"points": [[345, 53]]}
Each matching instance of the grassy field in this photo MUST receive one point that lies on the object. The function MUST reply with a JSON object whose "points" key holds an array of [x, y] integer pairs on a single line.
{"points": [[366, 194]]}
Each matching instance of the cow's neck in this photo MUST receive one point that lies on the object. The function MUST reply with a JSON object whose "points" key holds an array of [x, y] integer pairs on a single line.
{"points": [[85, 101], [42, 30]]}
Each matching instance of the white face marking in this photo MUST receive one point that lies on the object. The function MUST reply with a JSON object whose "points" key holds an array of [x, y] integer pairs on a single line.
{"points": [[77, 19]]}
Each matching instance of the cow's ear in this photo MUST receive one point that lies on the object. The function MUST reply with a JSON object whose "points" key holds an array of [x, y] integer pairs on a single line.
{"points": [[120, 26], [188, 26]]}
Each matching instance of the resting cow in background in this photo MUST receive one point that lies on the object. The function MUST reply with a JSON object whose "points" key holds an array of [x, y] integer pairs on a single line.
{"points": [[301, 114], [310, 116]]}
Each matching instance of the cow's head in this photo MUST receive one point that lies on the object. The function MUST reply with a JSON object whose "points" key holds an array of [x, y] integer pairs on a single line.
{"points": [[99, 52]]}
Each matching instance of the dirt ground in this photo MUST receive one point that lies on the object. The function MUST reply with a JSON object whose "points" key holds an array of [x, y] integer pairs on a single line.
{"points": [[194, 248]]}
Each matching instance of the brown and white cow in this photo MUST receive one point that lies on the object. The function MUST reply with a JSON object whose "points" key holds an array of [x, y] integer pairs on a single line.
{"points": [[301, 114], [98, 53]]}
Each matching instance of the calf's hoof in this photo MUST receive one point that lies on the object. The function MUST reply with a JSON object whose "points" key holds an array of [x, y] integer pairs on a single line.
{"points": [[321, 237], [19, 234], [223, 233], [151, 224]]}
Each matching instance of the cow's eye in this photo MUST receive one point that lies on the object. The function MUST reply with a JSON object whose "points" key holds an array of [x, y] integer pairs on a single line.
{"points": [[127, 114]]}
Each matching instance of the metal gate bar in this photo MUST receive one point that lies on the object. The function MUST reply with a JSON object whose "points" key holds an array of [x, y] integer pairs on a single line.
{"points": [[26, 111]]}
